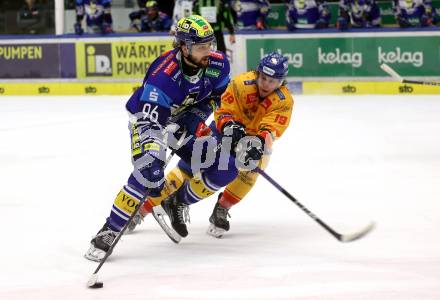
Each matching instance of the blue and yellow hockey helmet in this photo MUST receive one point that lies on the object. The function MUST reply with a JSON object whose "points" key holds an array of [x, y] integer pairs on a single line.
{"points": [[194, 30], [274, 65], [152, 4]]}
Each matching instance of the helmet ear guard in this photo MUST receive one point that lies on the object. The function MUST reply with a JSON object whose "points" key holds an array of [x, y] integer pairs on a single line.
{"points": [[274, 65]]}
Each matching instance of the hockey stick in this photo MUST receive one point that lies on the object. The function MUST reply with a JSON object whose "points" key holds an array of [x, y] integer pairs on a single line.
{"points": [[340, 237], [93, 280], [397, 77]]}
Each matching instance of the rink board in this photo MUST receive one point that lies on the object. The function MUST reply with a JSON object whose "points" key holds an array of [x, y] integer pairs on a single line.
{"points": [[306, 88], [319, 62]]}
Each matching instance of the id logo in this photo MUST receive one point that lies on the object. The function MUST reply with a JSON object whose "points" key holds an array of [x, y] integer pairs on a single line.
{"points": [[98, 59]]}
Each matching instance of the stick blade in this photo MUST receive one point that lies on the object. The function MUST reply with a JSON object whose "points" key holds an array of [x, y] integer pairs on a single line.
{"points": [[357, 235], [93, 282], [391, 72]]}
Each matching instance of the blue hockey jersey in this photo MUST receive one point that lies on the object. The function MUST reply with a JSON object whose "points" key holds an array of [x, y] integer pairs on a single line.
{"points": [[361, 13], [251, 14], [168, 96], [94, 10], [307, 14], [414, 12], [162, 22]]}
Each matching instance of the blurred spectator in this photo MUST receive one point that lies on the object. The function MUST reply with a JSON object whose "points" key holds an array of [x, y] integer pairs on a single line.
{"points": [[182, 9], [359, 14], [30, 18], [307, 14], [135, 17], [98, 16], [166, 6], [411, 13], [149, 18], [219, 14], [251, 14]]}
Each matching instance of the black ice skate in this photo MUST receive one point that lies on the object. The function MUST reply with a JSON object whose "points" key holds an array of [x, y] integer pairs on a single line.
{"points": [[219, 221], [101, 243], [177, 213]]}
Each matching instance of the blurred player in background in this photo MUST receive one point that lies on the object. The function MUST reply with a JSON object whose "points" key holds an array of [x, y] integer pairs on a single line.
{"points": [[414, 13], [358, 14], [307, 14], [149, 18], [182, 9], [98, 16], [251, 14]]}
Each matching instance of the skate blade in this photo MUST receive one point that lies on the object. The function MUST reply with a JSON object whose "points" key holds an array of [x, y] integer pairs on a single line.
{"points": [[215, 231], [94, 254], [160, 215]]}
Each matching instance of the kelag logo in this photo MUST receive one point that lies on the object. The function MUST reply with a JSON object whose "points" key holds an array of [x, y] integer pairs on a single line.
{"points": [[98, 59]]}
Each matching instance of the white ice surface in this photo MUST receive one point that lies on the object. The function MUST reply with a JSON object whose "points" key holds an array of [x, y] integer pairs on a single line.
{"points": [[350, 160]]}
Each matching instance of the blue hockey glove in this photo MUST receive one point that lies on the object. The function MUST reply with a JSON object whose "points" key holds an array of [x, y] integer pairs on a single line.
{"points": [[154, 174]]}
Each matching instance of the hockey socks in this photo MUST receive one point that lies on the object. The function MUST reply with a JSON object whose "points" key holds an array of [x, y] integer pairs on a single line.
{"points": [[197, 189], [227, 199], [125, 204]]}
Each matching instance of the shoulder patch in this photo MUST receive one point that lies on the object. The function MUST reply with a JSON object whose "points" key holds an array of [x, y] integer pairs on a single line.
{"points": [[210, 72], [155, 95], [280, 94]]}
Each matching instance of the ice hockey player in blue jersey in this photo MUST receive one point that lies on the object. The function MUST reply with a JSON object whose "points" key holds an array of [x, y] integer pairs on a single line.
{"points": [[98, 16], [410, 13], [358, 14], [180, 90], [307, 14], [251, 14], [149, 18]]}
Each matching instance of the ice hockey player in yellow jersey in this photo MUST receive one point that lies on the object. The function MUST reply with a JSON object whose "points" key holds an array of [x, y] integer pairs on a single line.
{"points": [[255, 103]]}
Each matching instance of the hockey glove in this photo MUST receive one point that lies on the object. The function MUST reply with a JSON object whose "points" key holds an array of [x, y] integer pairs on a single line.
{"points": [[255, 148], [148, 156], [251, 148], [149, 169], [235, 130], [154, 174], [193, 121]]}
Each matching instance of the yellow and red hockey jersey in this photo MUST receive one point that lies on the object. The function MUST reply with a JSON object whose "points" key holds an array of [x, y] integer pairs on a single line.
{"points": [[240, 102]]}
